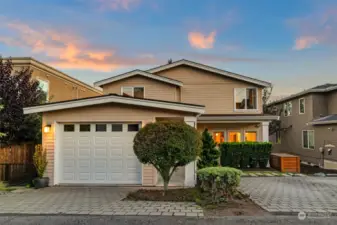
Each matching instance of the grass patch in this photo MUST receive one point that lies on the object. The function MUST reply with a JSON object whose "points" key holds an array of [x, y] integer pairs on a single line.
{"points": [[4, 187]]}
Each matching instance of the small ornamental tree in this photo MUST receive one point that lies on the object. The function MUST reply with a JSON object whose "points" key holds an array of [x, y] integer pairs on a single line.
{"points": [[167, 145], [209, 156]]}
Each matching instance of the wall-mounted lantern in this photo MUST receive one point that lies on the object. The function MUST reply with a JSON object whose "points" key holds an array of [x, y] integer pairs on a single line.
{"points": [[47, 128]]}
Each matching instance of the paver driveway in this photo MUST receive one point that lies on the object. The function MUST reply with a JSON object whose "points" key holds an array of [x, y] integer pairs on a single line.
{"points": [[286, 195], [93, 201]]}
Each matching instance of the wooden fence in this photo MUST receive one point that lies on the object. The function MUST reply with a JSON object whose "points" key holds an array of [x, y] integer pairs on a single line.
{"points": [[16, 163]]}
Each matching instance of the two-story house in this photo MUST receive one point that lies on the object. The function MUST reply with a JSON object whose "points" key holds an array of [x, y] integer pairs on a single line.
{"points": [[309, 125], [91, 139], [57, 85]]}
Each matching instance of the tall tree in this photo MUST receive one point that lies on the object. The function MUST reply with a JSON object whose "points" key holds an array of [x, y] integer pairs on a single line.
{"points": [[275, 125], [18, 90]]}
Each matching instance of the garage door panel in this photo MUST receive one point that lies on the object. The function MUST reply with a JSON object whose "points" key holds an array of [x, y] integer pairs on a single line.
{"points": [[84, 151], [84, 140], [84, 177], [115, 176], [83, 163], [104, 157], [100, 152], [69, 177]]}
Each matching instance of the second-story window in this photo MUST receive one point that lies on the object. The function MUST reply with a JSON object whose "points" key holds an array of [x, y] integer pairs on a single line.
{"points": [[302, 105], [136, 92], [287, 108], [245, 98], [44, 86]]}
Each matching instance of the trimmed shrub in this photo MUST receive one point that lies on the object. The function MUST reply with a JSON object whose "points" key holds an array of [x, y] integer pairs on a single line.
{"points": [[245, 154], [210, 153], [219, 182], [167, 145]]}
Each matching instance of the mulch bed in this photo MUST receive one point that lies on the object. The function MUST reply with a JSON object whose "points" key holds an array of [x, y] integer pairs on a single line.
{"points": [[239, 205], [172, 195], [235, 207], [307, 169]]}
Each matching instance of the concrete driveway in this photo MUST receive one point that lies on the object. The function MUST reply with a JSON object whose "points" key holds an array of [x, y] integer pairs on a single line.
{"points": [[290, 195], [89, 201]]}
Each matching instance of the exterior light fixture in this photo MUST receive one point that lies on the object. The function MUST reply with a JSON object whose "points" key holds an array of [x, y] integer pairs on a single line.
{"points": [[46, 128]]}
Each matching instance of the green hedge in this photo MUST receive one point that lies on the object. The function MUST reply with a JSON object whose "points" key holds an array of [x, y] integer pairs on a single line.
{"points": [[245, 154], [219, 182]]}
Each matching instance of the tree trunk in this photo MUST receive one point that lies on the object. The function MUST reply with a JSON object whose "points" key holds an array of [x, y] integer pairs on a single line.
{"points": [[165, 186]]}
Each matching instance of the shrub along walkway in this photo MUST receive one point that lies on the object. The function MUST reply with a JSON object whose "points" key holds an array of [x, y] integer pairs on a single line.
{"points": [[90, 201]]}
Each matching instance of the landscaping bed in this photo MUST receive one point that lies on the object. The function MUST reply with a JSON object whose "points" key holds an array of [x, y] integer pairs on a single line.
{"points": [[235, 207], [238, 205], [172, 195]]}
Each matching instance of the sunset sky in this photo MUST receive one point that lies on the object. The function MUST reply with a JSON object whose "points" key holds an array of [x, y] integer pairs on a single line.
{"points": [[291, 43]]}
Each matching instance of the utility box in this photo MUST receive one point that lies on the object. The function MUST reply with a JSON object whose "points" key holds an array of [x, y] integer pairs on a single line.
{"points": [[286, 163]]}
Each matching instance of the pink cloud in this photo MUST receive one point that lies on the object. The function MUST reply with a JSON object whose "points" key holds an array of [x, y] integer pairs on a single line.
{"points": [[201, 41], [319, 28], [118, 4], [68, 51], [305, 42]]}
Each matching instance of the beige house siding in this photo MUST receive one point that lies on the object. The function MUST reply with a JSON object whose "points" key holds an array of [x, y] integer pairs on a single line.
{"points": [[60, 89], [214, 91], [103, 113], [332, 102], [153, 89]]}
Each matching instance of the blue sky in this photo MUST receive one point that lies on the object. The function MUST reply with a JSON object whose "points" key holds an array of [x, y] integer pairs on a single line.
{"points": [[291, 43]]}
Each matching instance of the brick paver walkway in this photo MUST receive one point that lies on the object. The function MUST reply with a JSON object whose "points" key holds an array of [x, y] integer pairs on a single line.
{"points": [[284, 195], [91, 201]]}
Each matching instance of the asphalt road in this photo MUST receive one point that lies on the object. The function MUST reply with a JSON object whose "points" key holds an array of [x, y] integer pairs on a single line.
{"points": [[158, 220]]}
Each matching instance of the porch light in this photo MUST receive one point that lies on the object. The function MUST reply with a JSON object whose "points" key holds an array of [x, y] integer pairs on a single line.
{"points": [[46, 128]]}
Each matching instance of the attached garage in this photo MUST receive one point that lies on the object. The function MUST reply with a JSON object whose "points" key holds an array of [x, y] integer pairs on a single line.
{"points": [[99, 153], [90, 141]]}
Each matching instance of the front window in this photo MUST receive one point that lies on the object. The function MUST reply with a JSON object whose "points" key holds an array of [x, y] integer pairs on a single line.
{"points": [[218, 137], [308, 139], [245, 98], [302, 106], [234, 136], [251, 136], [287, 108], [136, 92], [44, 86]]}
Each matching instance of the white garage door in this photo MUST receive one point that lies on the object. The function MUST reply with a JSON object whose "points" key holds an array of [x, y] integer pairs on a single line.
{"points": [[99, 154]]}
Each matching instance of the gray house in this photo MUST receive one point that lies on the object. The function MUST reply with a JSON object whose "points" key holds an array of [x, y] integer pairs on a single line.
{"points": [[309, 125]]}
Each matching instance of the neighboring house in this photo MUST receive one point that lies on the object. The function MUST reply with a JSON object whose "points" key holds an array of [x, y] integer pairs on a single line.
{"points": [[91, 139], [58, 86], [309, 122]]}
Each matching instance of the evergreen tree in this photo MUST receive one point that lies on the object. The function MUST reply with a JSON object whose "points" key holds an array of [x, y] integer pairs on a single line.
{"points": [[210, 153]]}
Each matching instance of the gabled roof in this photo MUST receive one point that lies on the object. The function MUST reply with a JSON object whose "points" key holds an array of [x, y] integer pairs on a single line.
{"points": [[23, 61], [210, 69], [330, 119], [113, 98], [317, 89], [135, 73]]}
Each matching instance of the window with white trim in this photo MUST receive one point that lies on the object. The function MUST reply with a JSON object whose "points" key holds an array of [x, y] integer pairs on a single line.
{"points": [[308, 139], [301, 103], [245, 98], [136, 92], [287, 108]]}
